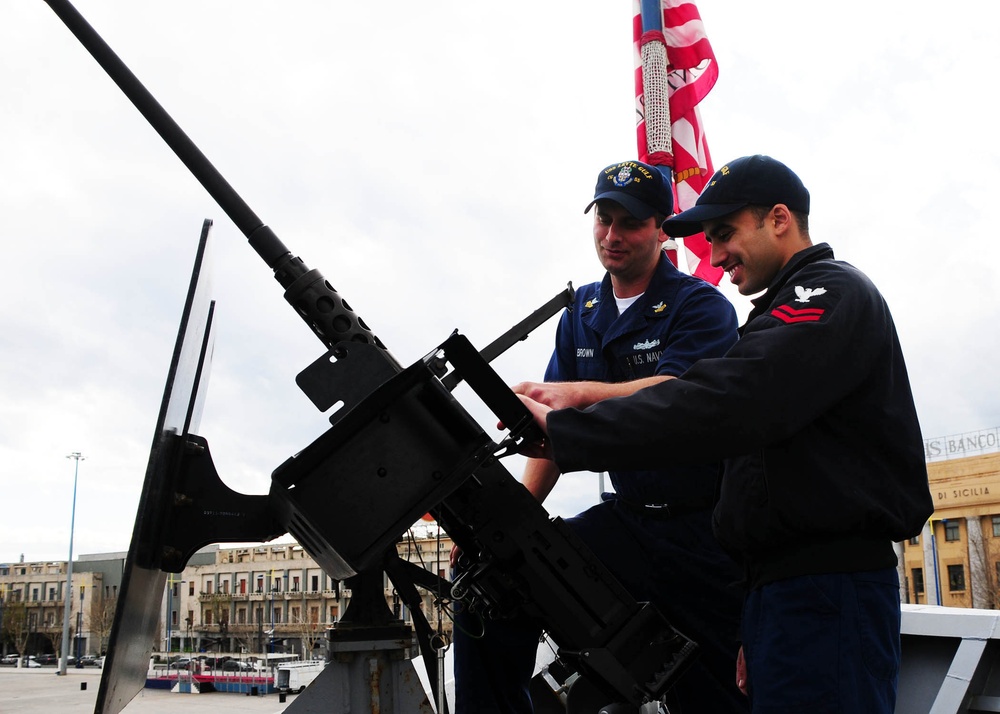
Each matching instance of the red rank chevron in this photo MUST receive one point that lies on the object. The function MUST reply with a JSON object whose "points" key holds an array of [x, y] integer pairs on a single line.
{"points": [[789, 314]]}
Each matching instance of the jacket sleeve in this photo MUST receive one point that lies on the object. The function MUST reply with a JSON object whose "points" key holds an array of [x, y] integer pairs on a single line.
{"points": [[793, 362]]}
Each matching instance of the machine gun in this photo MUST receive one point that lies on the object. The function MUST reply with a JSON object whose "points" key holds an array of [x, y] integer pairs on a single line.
{"points": [[400, 445]]}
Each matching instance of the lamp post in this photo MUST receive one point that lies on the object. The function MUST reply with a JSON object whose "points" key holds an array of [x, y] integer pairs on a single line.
{"points": [[3, 597], [170, 613], [77, 458]]}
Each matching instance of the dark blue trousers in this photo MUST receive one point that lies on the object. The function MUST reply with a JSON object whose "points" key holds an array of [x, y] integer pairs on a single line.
{"points": [[674, 563], [824, 644]]}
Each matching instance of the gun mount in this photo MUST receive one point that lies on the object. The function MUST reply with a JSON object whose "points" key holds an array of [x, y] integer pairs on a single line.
{"points": [[401, 445]]}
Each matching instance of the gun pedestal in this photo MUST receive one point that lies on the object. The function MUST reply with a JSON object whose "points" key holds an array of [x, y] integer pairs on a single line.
{"points": [[370, 669]]}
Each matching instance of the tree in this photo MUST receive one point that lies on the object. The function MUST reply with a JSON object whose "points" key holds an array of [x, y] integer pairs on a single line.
{"points": [[101, 620], [15, 626], [309, 631], [54, 630]]}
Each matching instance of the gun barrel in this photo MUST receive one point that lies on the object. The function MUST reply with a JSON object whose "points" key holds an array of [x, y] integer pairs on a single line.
{"points": [[306, 290]]}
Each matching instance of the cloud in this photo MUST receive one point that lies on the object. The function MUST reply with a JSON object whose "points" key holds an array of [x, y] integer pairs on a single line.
{"points": [[433, 163]]}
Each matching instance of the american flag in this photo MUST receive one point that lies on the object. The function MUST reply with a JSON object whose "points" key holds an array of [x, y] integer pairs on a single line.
{"points": [[677, 82]]}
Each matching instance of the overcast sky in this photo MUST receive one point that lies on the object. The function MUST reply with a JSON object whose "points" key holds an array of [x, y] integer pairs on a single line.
{"points": [[433, 161]]}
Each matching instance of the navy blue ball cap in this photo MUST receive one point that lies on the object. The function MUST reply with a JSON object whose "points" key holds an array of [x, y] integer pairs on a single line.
{"points": [[640, 188], [748, 181]]}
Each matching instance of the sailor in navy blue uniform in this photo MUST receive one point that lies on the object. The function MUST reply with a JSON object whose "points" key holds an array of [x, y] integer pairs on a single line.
{"points": [[823, 465], [644, 323]]}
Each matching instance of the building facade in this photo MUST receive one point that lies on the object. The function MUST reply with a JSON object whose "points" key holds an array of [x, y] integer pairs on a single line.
{"points": [[253, 599], [955, 561], [32, 607], [275, 598]]}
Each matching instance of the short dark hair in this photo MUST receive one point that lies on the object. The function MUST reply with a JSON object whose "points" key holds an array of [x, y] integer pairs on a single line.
{"points": [[760, 212]]}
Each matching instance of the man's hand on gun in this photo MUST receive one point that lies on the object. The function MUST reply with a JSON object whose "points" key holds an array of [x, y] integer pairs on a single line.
{"points": [[556, 395], [533, 449], [536, 449]]}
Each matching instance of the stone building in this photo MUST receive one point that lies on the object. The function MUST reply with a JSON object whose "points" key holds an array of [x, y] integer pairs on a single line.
{"points": [[250, 599], [274, 598], [32, 605], [955, 561]]}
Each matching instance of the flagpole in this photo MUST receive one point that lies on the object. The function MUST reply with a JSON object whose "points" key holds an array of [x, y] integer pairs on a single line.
{"points": [[675, 68], [68, 595]]}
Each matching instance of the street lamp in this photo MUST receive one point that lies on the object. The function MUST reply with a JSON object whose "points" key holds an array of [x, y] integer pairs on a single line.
{"points": [[3, 597], [77, 457], [170, 613]]}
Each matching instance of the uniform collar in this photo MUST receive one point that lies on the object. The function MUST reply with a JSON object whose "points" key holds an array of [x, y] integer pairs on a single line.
{"points": [[656, 302], [812, 254]]}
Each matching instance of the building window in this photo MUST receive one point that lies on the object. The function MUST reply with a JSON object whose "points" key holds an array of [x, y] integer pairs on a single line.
{"points": [[277, 614], [951, 530], [917, 577], [52, 593], [208, 587], [173, 618], [241, 615], [191, 588], [315, 583], [956, 578], [295, 584], [314, 615], [208, 617], [996, 526]]}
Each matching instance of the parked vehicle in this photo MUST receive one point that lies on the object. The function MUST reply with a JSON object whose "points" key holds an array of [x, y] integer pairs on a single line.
{"points": [[10, 659], [47, 659], [30, 661], [296, 676], [235, 665]]}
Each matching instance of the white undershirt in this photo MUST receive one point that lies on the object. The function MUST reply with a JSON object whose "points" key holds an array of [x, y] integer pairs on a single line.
{"points": [[625, 303]]}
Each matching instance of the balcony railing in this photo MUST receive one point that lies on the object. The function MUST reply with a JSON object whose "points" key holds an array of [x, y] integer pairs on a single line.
{"points": [[214, 597]]}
